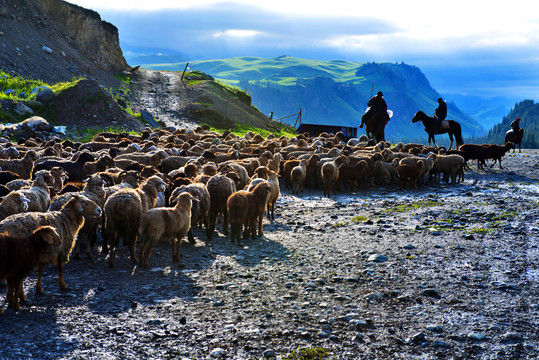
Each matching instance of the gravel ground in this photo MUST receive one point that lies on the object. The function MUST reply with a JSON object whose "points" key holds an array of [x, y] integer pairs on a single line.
{"points": [[446, 271]]}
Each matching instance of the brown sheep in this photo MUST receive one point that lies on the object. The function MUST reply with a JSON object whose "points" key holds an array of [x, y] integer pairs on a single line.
{"points": [[123, 214], [19, 256], [220, 188], [330, 173], [353, 174], [22, 167], [38, 194], [200, 208], [165, 224], [94, 191], [297, 176], [408, 174], [451, 165], [252, 214], [14, 203], [67, 222]]}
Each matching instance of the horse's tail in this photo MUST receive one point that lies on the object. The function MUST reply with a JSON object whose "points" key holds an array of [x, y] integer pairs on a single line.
{"points": [[458, 134]]}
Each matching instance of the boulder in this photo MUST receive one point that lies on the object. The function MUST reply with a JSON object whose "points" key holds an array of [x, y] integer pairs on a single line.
{"points": [[21, 109], [45, 95]]}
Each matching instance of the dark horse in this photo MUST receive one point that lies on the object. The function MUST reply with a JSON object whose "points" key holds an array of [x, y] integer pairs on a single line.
{"points": [[376, 122], [515, 138], [451, 127]]}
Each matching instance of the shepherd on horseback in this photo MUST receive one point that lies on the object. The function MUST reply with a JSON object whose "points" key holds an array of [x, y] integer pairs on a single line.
{"points": [[376, 117], [376, 104], [515, 135]]}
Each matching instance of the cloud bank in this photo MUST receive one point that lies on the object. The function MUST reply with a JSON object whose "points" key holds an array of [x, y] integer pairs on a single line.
{"points": [[492, 59]]}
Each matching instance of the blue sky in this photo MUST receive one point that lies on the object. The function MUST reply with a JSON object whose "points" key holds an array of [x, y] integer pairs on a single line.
{"points": [[483, 48]]}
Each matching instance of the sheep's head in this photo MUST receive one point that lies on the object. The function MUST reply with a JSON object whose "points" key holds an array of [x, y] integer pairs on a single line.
{"points": [[156, 182], [83, 206]]}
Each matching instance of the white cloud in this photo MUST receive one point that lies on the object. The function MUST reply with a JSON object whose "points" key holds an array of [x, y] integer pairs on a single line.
{"points": [[234, 33]]}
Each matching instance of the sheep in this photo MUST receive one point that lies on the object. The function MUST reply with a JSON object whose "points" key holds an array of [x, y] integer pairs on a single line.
{"points": [[220, 188], [38, 194], [408, 174], [123, 214], [311, 170], [238, 169], [275, 191], [297, 176], [474, 152], [353, 173], [381, 175], [101, 164], [165, 224], [200, 208], [330, 173], [428, 163], [22, 167], [73, 169], [94, 191], [497, 152], [18, 256], [9, 153], [67, 222], [59, 176], [14, 203], [155, 159], [287, 167], [452, 165], [247, 207]]}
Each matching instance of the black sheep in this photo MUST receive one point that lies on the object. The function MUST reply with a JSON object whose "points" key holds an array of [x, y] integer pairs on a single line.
{"points": [[72, 168]]}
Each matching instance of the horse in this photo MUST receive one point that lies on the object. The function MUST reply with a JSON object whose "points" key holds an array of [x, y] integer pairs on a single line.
{"points": [[451, 127], [515, 138], [376, 122]]}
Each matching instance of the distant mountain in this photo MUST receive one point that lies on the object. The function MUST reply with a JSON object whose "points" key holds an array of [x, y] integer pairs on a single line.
{"points": [[332, 92], [141, 56], [488, 111]]}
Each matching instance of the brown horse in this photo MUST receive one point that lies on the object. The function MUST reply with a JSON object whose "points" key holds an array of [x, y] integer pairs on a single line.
{"points": [[451, 127], [376, 122], [515, 138]]}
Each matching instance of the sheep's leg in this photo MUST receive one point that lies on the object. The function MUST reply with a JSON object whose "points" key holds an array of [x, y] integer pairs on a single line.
{"points": [[20, 291], [260, 223], [141, 252], [132, 244], [61, 281], [178, 247], [39, 284], [13, 299]]}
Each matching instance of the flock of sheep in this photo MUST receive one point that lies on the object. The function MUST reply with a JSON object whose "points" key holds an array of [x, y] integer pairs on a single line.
{"points": [[160, 184]]}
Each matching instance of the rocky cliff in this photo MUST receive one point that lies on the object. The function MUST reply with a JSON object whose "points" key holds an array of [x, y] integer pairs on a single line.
{"points": [[54, 41]]}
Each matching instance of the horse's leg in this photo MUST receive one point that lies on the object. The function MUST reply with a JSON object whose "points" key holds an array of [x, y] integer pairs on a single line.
{"points": [[451, 139]]}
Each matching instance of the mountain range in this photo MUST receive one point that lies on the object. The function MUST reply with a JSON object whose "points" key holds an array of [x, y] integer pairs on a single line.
{"points": [[331, 92]]}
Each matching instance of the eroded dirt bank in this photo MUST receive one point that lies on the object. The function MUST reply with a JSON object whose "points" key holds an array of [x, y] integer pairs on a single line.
{"points": [[446, 271]]}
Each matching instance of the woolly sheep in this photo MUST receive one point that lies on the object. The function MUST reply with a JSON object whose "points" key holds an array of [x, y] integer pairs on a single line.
{"points": [[220, 188], [123, 214], [67, 222], [22, 167], [165, 224], [95, 191], [14, 203], [297, 176], [199, 209], [19, 256]]}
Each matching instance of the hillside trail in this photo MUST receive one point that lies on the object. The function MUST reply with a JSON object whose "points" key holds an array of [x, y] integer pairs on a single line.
{"points": [[164, 96]]}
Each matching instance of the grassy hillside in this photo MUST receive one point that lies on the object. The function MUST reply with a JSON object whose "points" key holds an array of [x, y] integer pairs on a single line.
{"points": [[331, 92]]}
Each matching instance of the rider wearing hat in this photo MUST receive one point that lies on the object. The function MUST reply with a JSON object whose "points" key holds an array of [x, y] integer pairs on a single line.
{"points": [[377, 103], [440, 113]]}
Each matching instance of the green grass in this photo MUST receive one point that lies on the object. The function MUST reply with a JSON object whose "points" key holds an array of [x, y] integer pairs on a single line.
{"points": [[242, 129], [23, 85], [310, 353], [412, 206]]}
